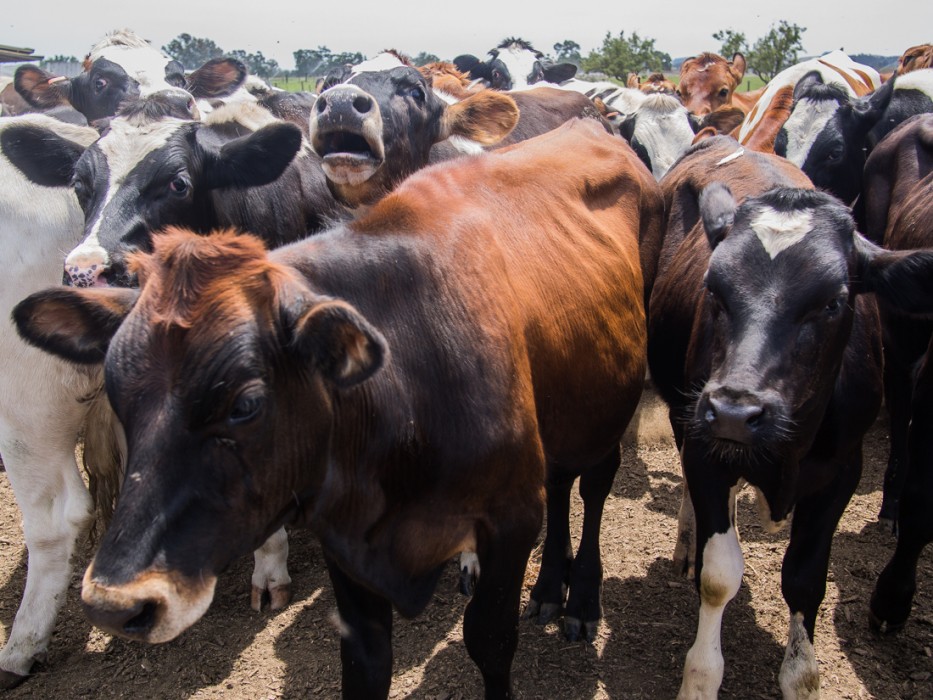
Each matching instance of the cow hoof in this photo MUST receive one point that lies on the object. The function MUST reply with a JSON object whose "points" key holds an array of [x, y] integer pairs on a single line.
{"points": [[279, 597], [9, 680], [889, 524], [879, 626]]}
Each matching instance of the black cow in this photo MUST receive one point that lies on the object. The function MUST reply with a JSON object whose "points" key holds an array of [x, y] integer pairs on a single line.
{"points": [[768, 350], [514, 65]]}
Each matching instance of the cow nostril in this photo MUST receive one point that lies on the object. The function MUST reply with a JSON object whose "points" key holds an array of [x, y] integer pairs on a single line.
{"points": [[362, 104], [143, 622]]}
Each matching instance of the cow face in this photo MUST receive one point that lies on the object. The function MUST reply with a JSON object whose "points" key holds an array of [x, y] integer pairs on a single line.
{"points": [[708, 81], [374, 131], [825, 135], [660, 132], [209, 413], [514, 65]]}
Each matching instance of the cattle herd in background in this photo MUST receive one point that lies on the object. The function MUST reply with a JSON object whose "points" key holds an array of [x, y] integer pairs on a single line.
{"points": [[410, 311]]}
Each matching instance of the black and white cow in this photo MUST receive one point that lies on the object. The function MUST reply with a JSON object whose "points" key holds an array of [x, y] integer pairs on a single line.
{"points": [[830, 130], [766, 344], [659, 131], [514, 65]]}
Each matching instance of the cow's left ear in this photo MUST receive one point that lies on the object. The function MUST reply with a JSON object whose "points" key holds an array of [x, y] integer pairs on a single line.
{"points": [[74, 324], [717, 209], [559, 72], [344, 346], [43, 156], [217, 78], [486, 117], [738, 65], [902, 280], [254, 160]]}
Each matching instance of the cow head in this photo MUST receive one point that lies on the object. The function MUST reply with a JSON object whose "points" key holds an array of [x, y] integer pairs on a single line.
{"points": [[781, 288], [915, 58], [825, 134], [154, 166], [514, 65], [708, 81], [206, 365], [659, 131], [377, 129]]}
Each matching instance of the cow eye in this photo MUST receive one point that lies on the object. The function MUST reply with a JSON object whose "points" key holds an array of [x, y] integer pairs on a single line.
{"points": [[246, 408], [834, 306], [100, 84], [724, 92], [835, 154], [416, 92], [179, 185]]}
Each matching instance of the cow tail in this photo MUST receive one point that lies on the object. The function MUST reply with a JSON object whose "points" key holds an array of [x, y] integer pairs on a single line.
{"points": [[103, 459]]}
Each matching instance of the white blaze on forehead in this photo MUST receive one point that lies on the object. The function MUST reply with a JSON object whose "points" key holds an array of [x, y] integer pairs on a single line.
{"points": [[805, 123], [145, 64], [384, 61], [520, 62], [779, 230]]}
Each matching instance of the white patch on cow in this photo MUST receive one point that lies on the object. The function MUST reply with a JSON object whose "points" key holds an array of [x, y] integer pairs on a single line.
{"points": [[733, 156], [805, 123], [270, 571], [764, 514], [799, 677], [469, 565], [920, 80], [623, 100], [140, 60], [384, 61], [779, 230], [662, 127], [720, 579], [520, 63]]}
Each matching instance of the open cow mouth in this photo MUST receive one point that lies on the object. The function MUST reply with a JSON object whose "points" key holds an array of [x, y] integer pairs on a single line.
{"points": [[349, 157]]}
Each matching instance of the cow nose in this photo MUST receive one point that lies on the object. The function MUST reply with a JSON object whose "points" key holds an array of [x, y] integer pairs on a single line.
{"points": [[84, 266], [362, 103], [736, 420], [135, 621]]}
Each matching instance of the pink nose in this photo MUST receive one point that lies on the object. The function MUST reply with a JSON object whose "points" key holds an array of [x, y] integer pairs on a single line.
{"points": [[85, 264]]}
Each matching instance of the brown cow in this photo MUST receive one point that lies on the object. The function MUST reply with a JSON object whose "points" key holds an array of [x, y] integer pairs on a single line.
{"points": [[915, 58], [708, 82], [654, 83], [408, 385]]}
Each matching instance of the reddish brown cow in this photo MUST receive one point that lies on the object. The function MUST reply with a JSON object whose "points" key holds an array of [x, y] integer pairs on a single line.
{"points": [[654, 83], [915, 58], [408, 385], [708, 82]]}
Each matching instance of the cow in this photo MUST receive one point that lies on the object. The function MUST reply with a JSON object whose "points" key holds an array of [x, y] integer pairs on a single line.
{"points": [[830, 130], [659, 131], [654, 83], [708, 82], [765, 344], [400, 384], [515, 65], [899, 171], [761, 125], [623, 101], [915, 58], [374, 131], [897, 205], [46, 403]]}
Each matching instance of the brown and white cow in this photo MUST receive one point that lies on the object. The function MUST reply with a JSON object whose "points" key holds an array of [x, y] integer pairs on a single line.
{"points": [[767, 348], [408, 385], [708, 82]]}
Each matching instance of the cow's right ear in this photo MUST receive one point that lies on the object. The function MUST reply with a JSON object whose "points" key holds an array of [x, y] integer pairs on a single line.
{"points": [[334, 336], [217, 78], [902, 280], [738, 65], [43, 156], [717, 209], [486, 117], [74, 324], [40, 88]]}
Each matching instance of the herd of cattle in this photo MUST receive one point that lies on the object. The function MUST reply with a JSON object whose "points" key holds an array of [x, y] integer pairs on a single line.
{"points": [[410, 311]]}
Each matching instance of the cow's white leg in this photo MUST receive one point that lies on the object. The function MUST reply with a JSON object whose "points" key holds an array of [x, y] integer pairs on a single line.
{"points": [[720, 578], [800, 674], [57, 510], [270, 572]]}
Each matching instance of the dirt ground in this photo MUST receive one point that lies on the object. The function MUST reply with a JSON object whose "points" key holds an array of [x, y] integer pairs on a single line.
{"points": [[650, 619]]}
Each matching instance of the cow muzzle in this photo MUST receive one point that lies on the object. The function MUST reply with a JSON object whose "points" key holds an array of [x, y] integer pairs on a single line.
{"points": [[154, 607], [743, 417], [346, 131]]}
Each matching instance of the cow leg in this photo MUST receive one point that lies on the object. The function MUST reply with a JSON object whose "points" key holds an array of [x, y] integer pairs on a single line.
{"points": [[490, 622], [57, 510], [686, 545], [270, 572], [365, 637], [583, 610], [803, 577], [894, 591], [547, 596], [719, 570], [897, 391]]}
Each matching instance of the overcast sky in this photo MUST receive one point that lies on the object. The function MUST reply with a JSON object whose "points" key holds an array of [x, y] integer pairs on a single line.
{"points": [[278, 27]]}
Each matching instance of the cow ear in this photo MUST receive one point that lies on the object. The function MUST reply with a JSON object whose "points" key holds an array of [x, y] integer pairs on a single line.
{"points": [[486, 117], [902, 280], [254, 160], [40, 88], [632, 81], [738, 65], [717, 209], [175, 74], [74, 324], [217, 78], [707, 132], [868, 110], [43, 156], [559, 72], [333, 335], [806, 83]]}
